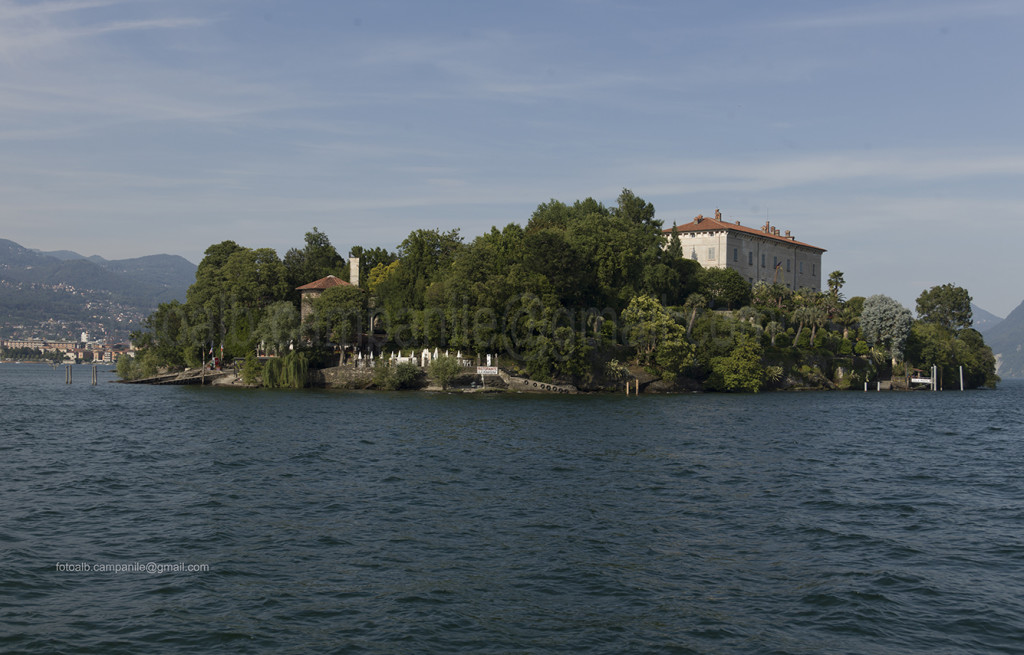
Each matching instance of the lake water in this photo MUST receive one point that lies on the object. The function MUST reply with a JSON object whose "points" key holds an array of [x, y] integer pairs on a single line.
{"points": [[186, 520]]}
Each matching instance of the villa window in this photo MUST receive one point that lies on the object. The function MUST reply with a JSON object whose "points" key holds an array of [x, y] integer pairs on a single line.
{"points": [[750, 258], [762, 260], [711, 254], [788, 266], [735, 254]]}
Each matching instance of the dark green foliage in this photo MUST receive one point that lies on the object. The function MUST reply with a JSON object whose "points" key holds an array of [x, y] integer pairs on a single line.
{"points": [[279, 327], [946, 305], [316, 260], [724, 288], [339, 315], [288, 372], [444, 369], [577, 285], [660, 341], [252, 369], [396, 377], [933, 344], [370, 258], [127, 369], [740, 370]]}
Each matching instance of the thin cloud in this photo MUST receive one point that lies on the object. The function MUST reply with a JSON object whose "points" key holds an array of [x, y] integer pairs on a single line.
{"points": [[778, 173], [889, 15], [11, 11], [33, 28]]}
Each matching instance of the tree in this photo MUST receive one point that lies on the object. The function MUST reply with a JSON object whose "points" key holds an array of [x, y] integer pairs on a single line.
{"points": [[886, 322], [741, 369], [279, 327], [208, 303], [444, 369], [635, 209], [392, 377], [835, 285], [932, 344], [424, 257], [695, 304], [316, 260], [339, 314], [946, 305], [724, 287], [846, 317], [675, 247], [369, 259], [801, 316], [254, 278], [770, 296]]}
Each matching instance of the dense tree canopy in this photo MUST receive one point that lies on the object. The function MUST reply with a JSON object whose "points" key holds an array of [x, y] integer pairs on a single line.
{"points": [[887, 323], [577, 288], [946, 305]]}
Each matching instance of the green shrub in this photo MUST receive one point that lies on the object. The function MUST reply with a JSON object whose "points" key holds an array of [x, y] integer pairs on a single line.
{"points": [[127, 369], [444, 370], [288, 372], [251, 369], [392, 377]]}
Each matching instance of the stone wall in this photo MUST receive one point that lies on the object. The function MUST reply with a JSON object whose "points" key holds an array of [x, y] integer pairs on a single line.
{"points": [[532, 386], [342, 377]]}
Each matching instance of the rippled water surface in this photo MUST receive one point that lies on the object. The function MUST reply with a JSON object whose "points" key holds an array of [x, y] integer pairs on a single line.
{"points": [[330, 522]]}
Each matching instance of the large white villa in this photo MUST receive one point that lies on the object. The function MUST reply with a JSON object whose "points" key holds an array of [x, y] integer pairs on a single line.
{"points": [[759, 255]]}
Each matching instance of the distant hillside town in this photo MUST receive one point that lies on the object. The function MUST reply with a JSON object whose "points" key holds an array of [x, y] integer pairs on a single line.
{"points": [[52, 297], [83, 351]]}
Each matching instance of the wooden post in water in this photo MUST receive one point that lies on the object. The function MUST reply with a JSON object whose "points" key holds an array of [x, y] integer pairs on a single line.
{"points": [[94, 375], [961, 377], [67, 375]]}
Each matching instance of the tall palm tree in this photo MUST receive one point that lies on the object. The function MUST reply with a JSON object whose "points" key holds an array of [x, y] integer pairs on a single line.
{"points": [[816, 317], [801, 316]]}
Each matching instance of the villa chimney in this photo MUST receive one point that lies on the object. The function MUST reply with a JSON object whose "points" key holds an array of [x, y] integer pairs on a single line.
{"points": [[700, 217], [787, 235], [353, 270]]}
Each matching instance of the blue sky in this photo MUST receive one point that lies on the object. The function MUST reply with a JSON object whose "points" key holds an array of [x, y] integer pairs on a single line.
{"points": [[888, 133]]}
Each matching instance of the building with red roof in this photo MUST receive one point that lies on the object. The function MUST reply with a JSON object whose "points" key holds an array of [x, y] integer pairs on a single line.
{"points": [[759, 255], [314, 289]]}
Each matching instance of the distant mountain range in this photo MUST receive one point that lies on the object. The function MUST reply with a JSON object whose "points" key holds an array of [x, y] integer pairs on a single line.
{"points": [[984, 321], [1006, 338], [59, 294]]}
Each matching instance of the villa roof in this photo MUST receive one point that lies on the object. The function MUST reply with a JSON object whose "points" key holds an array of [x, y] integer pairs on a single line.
{"points": [[323, 283], [707, 224]]}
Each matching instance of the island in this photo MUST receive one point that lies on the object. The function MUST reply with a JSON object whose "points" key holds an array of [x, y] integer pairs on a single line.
{"points": [[583, 297]]}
